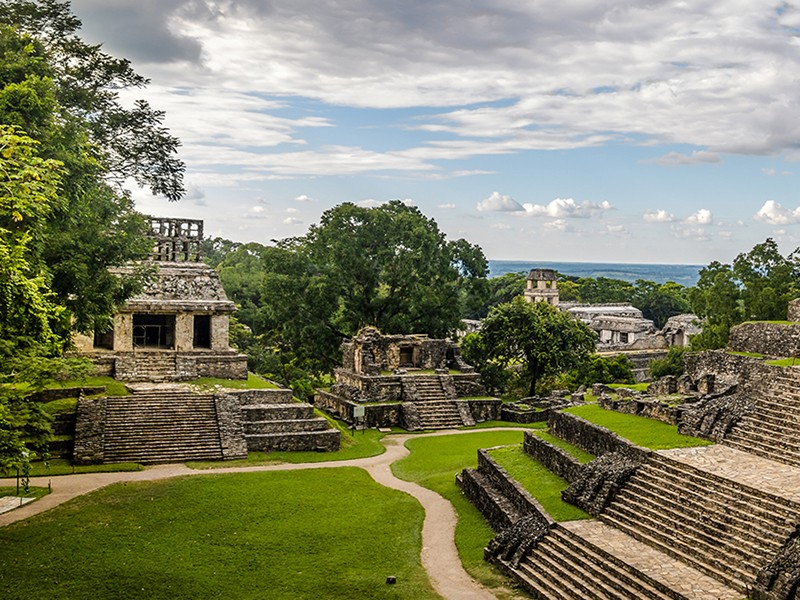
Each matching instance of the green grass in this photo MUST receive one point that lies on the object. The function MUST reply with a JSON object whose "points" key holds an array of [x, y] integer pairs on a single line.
{"points": [[581, 455], [783, 362], [359, 444], [433, 463], [312, 534], [61, 466], [490, 424], [639, 387], [62, 406], [540, 482], [33, 492], [648, 433], [113, 387], [253, 382], [747, 354]]}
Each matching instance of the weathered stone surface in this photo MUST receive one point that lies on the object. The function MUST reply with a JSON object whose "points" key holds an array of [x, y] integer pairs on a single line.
{"points": [[90, 428], [770, 339], [650, 408], [600, 480], [793, 313], [715, 417], [592, 438], [780, 579], [664, 386], [516, 542], [556, 459]]}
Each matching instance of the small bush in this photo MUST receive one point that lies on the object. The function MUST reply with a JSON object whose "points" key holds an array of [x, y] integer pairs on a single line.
{"points": [[671, 364]]}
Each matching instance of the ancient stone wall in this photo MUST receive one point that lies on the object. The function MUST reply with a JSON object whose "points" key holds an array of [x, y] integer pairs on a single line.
{"points": [[587, 436], [468, 384], [770, 339], [556, 459], [229, 421], [90, 427], [650, 408], [375, 415], [750, 374], [794, 310]]}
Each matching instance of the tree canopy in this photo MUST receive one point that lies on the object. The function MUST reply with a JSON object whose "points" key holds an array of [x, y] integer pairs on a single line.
{"points": [[66, 146], [389, 267], [536, 338]]}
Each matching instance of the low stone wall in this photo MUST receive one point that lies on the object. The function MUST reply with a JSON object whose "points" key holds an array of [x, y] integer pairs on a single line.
{"points": [[485, 410], [224, 367], [499, 498], [229, 422], [263, 396], [650, 408], [770, 339], [556, 459], [524, 416], [61, 393], [468, 384], [375, 415], [750, 374], [90, 429], [587, 436]]}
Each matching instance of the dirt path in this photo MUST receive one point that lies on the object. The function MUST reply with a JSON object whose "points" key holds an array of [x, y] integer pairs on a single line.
{"points": [[439, 555]]}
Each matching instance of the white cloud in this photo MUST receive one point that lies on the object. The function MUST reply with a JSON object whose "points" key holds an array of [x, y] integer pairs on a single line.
{"points": [[774, 213], [292, 221], [567, 208], [292, 210], [257, 209], [369, 203], [698, 156], [701, 217], [447, 206], [497, 202], [302, 198], [658, 216], [559, 225], [617, 230]]}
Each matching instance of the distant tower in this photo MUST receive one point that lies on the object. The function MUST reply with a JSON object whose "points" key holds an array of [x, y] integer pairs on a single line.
{"points": [[542, 286]]}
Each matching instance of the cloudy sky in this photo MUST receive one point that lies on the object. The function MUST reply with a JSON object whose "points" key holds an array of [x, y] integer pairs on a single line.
{"points": [[621, 131]]}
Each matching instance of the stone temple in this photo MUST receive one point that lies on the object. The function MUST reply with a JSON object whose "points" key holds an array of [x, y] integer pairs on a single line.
{"points": [[176, 329], [410, 381]]}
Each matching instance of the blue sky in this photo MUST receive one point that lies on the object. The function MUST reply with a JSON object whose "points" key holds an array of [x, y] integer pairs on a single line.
{"points": [[559, 130]]}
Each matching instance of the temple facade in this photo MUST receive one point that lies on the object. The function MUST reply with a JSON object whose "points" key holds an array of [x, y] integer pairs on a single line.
{"points": [[176, 329]]}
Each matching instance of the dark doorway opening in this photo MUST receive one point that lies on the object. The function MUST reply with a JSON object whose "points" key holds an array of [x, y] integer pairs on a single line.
{"points": [[406, 357], [104, 339], [154, 331], [202, 331]]}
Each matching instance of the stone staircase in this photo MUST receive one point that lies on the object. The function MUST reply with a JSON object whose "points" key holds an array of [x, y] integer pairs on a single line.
{"points": [[773, 429], [428, 388], [446, 414], [161, 426], [722, 528], [566, 566], [276, 423], [157, 367]]}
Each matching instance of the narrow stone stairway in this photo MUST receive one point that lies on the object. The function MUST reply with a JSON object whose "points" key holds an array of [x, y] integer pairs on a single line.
{"points": [[773, 429], [161, 426], [724, 529]]}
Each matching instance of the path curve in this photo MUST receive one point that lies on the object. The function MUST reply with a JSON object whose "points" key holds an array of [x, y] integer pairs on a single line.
{"points": [[439, 555]]}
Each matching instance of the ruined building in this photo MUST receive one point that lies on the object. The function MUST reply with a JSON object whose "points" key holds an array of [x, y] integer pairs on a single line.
{"points": [[409, 381], [176, 329]]}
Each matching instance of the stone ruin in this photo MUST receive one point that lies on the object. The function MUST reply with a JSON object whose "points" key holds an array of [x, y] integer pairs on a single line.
{"points": [[176, 329], [410, 381]]}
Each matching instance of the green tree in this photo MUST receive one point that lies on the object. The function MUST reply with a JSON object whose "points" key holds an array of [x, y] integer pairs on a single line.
{"points": [[768, 281], [660, 302], [600, 369], [715, 299], [536, 338]]}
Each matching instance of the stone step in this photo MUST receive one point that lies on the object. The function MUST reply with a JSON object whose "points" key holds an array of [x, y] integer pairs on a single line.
{"points": [[726, 548], [750, 530], [727, 574], [762, 435], [256, 427], [293, 440], [267, 412], [709, 495], [565, 566], [689, 475], [769, 451]]}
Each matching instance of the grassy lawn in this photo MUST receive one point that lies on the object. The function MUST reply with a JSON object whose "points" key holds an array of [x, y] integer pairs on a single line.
{"points": [[783, 362], [434, 463], [490, 424], [639, 387], [315, 534], [33, 492], [581, 455], [359, 444], [253, 382], [62, 466], [648, 433], [540, 482], [113, 387]]}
